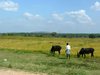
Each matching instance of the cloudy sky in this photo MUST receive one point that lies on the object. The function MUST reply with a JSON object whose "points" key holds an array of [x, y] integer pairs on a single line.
{"points": [[62, 16]]}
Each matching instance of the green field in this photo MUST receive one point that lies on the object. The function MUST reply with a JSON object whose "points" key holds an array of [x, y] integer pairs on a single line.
{"points": [[33, 54]]}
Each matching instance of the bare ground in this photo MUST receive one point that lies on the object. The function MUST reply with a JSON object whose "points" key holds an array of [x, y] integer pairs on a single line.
{"points": [[12, 72]]}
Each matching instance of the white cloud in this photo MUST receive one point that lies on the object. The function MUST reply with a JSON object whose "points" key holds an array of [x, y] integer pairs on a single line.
{"points": [[96, 6], [9, 5], [32, 17], [37, 16], [80, 16], [28, 15], [69, 19], [57, 17]]}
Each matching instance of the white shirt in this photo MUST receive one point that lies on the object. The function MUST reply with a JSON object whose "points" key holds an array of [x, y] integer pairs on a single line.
{"points": [[68, 49]]}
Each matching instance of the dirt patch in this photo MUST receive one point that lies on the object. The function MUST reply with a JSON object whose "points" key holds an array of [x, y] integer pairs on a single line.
{"points": [[12, 72]]}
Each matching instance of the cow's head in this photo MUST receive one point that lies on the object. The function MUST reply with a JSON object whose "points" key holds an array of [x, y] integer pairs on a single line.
{"points": [[52, 50]]}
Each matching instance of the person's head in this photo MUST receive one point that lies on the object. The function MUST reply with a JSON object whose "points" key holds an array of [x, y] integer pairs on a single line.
{"points": [[67, 44]]}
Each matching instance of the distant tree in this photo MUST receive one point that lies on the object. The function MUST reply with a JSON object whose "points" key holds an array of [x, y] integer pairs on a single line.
{"points": [[63, 35], [54, 34], [92, 36]]}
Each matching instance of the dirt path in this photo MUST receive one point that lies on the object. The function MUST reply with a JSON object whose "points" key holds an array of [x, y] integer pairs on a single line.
{"points": [[12, 72]]}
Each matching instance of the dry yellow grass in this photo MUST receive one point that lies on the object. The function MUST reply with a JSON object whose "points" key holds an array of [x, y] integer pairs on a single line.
{"points": [[44, 44]]}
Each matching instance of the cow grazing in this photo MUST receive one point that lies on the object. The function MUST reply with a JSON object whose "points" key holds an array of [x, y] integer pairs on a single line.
{"points": [[84, 51], [55, 48]]}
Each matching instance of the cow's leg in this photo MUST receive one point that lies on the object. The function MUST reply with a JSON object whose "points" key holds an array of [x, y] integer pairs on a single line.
{"points": [[59, 52], [53, 52], [84, 56], [92, 54]]}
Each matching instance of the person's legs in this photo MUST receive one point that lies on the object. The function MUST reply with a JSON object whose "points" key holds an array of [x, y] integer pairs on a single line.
{"points": [[68, 56]]}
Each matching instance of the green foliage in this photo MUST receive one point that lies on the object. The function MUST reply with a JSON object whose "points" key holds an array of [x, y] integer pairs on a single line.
{"points": [[92, 36], [53, 34]]}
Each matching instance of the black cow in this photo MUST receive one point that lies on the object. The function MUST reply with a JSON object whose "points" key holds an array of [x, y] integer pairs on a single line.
{"points": [[84, 51], [55, 48]]}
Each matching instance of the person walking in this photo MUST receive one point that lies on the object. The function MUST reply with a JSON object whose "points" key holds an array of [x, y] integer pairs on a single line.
{"points": [[68, 48]]}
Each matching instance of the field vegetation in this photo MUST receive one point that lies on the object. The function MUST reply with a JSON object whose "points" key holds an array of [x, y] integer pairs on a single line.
{"points": [[44, 44], [33, 54]]}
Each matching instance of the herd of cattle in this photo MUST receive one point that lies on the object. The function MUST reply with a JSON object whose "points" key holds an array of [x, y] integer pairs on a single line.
{"points": [[82, 52]]}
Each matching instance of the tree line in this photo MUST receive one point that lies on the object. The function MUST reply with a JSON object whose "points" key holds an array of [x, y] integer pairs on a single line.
{"points": [[54, 34]]}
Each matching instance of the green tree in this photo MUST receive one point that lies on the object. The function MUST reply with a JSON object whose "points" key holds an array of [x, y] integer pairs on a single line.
{"points": [[54, 34], [92, 36]]}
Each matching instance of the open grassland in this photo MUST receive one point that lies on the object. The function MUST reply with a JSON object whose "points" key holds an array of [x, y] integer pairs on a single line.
{"points": [[44, 44], [32, 54]]}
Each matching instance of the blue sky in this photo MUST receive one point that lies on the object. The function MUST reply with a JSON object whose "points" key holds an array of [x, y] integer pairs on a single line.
{"points": [[62, 16]]}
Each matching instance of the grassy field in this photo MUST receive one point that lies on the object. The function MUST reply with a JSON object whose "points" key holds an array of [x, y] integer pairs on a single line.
{"points": [[44, 44], [32, 54]]}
